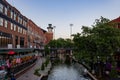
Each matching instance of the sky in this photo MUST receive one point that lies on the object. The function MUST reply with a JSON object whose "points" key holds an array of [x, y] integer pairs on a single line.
{"points": [[62, 13]]}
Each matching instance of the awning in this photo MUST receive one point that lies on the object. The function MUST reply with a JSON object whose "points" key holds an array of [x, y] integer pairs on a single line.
{"points": [[6, 51]]}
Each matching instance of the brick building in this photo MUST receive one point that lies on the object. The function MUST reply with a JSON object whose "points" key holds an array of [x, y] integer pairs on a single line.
{"points": [[49, 34], [21, 38], [13, 30], [36, 35], [18, 31], [116, 22]]}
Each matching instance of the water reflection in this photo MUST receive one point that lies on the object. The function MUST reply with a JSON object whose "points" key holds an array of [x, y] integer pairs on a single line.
{"points": [[63, 72]]}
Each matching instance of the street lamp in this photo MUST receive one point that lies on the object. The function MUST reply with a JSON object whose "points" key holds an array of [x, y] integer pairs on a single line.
{"points": [[71, 31], [54, 31]]}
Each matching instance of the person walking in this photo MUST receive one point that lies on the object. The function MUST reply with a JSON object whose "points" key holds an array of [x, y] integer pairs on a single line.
{"points": [[12, 76], [8, 63]]}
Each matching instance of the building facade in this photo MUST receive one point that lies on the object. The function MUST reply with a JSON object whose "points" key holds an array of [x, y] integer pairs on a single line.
{"points": [[18, 31], [36, 35], [13, 27], [21, 40], [49, 34], [116, 22]]}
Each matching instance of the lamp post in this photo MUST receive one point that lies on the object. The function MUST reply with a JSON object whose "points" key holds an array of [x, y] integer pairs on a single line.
{"points": [[71, 25], [54, 32]]}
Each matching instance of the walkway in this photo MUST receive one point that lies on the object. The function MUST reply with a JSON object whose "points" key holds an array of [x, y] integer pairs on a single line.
{"points": [[29, 75]]}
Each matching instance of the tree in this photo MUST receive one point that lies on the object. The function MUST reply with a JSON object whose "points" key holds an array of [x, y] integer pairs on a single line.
{"points": [[101, 21], [61, 43], [106, 37], [101, 39]]}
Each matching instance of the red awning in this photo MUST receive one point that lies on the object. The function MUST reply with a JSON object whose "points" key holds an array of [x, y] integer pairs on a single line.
{"points": [[11, 52]]}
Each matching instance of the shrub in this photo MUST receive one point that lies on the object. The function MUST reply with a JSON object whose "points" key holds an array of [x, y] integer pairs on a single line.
{"points": [[43, 66], [37, 72], [46, 62]]}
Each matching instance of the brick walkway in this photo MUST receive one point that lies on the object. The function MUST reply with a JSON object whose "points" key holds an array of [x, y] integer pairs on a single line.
{"points": [[29, 75]]}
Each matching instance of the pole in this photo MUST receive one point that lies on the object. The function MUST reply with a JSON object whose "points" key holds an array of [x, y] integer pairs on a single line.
{"points": [[54, 32], [71, 31]]}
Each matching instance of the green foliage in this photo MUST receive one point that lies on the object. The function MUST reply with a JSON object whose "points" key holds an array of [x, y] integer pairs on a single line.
{"points": [[56, 62], [42, 66], [47, 50], [113, 74], [46, 62], [61, 43], [102, 39], [36, 72], [67, 61], [101, 21]]}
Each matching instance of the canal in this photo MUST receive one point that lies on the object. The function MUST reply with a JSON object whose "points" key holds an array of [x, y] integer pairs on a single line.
{"points": [[68, 72]]}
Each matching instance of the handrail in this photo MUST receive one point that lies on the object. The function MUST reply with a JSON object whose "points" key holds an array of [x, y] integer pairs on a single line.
{"points": [[90, 74]]}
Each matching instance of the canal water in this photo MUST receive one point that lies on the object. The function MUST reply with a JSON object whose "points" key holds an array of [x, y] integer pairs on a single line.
{"points": [[65, 72]]}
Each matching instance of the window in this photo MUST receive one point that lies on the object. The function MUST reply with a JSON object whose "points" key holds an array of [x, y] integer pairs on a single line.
{"points": [[22, 41], [20, 30], [0, 40], [16, 41], [6, 24], [5, 11], [5, 40], [118, 25], [1, 21], [12, 26], [14, 16], [23, 31], [21, 21], [1, 7], [18, 19], [24, 23], [11, 14]]}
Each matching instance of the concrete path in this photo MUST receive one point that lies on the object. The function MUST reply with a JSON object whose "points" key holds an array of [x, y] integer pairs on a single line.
{"points": [[29, 75]]}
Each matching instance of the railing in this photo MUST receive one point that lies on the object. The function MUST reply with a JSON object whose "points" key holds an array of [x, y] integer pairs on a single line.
{"points": [[87, 70], [20, 67]]}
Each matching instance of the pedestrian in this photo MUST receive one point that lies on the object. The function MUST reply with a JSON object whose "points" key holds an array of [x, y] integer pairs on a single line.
{"points": [[8, 62], [12, 76]]}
